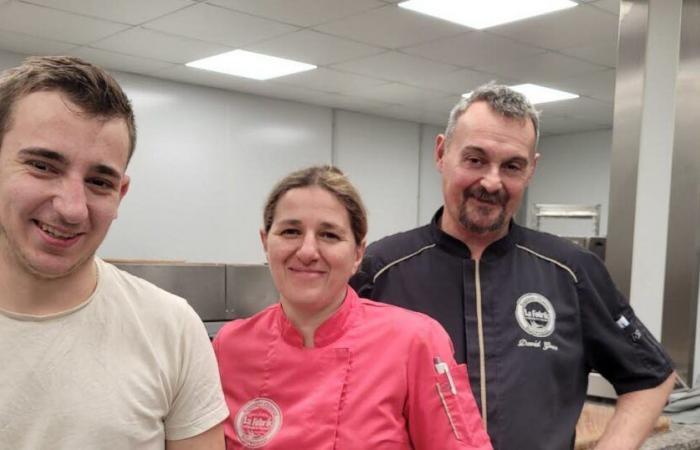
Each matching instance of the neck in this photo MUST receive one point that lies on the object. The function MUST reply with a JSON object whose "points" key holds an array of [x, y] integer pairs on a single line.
{"points": [[307, 320], [476, 242], [24, 292]]}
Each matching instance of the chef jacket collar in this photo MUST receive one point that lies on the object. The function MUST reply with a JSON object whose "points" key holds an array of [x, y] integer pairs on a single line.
{"points": [[459, 249], [329, 331]]}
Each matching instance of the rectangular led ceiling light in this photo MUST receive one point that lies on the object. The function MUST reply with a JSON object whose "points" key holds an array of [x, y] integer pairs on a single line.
{"points": [[480, 14], [539, 94], [246, 64]]}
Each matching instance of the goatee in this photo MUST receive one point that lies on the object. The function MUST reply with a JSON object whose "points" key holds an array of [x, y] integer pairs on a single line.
{"points": [[472, 224]]}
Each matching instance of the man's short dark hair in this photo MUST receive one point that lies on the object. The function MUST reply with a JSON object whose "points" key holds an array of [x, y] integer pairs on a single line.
{"points": [[86, 85]]}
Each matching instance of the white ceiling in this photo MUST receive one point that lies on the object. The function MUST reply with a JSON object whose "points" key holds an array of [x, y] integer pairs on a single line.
{"points": [[373, 56]]}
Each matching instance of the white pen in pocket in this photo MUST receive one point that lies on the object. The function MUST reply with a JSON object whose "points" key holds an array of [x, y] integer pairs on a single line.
{"points": [[442, 367]]}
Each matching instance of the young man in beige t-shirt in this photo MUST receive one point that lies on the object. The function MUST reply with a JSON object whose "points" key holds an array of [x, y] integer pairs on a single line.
{"points": [[93, 358]]}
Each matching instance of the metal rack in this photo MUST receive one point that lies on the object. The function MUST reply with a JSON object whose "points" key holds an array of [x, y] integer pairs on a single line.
{"points": [[564, 211]]}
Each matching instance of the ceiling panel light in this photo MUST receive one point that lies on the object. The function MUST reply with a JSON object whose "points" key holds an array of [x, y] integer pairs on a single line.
{"points": [[480, 14], [538, 94], [246, 64]]}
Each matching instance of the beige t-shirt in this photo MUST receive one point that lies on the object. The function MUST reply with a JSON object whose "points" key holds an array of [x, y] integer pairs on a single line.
{"points": [[127, 369]]}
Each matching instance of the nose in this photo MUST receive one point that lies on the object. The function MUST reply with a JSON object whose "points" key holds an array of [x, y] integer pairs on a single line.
{"points": [[308, 251], [491, 180], [71, 202]]}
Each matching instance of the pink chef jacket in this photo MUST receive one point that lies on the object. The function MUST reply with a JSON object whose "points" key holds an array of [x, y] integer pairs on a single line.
{"points": [[370, 383]]}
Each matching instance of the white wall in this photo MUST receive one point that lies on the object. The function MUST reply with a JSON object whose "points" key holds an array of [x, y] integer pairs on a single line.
{"points": [[381, 157], [204, 162], [572, 169], [430, 195]]}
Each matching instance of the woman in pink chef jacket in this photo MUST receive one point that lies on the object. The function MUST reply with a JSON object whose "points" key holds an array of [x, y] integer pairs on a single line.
{"points": [[324, 369]]}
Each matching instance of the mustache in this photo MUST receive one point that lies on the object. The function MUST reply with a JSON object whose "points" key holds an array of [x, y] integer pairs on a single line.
{"points": [[499, 197]]}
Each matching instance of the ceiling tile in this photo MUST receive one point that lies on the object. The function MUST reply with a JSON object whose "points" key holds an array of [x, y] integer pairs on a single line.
{"points": [[340, 101], [604, 53], [219, 25], [598, 85], [467, 48], [328, 80], [160, 46], [563, 29], [411, 115], [300, 12], [120, 62], [612, 6], [133, 12], [459, 81], [313, 47], [208, 78], [391, 27], [47, 23], [594, 111], [29, 45], [399, 94], [540, 68], [395, 66]]}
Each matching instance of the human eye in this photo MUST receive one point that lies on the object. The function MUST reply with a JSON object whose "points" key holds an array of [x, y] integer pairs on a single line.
{"points": [[101, 184], [330, 236], [473, 160], [514, 167], [41, 167], [289, 232]]}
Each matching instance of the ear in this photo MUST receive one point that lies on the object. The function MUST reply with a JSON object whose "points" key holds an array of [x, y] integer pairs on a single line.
{"points": [[263, 239], [533, 167], [359, 254], [124, 188], [439, 151]]}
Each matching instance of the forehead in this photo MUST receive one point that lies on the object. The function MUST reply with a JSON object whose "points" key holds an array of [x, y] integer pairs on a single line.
{"points": [[311, 202], [48, 119], [482, 124]]}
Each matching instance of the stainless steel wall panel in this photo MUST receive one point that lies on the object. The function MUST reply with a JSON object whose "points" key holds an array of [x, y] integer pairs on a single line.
{"points": [[683, 248], [249, 289], [627, 122], [202, 285]]}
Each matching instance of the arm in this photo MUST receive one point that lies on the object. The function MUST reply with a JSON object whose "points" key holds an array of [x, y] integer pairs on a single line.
{"points": [[634, 417], [437, 417], [212, 439]]}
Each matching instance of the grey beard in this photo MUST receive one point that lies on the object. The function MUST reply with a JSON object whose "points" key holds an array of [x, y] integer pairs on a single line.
{"points": [[476, 228]]}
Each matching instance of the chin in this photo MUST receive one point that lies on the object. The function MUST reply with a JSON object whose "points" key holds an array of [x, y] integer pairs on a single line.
{"points": [[56, 268]]}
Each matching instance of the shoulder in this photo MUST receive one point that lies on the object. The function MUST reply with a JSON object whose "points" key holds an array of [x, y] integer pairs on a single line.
{"points": [[129, 292], [400, 321], [262, 321], [552, 249], [397, 248], [401, 244]]}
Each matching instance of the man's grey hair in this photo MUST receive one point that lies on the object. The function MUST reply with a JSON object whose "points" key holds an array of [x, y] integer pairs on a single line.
{"points": [[501, 99]]}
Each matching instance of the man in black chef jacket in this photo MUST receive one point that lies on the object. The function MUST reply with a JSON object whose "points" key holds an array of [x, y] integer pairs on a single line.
{"points": [[530, 313]]}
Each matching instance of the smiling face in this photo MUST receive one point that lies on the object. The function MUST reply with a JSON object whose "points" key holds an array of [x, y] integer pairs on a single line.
{"points": [[61, 181], [485, 169], [311, 251]]}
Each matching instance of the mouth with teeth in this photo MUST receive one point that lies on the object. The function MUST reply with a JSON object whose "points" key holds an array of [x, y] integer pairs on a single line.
{"points": [[55, 233]]}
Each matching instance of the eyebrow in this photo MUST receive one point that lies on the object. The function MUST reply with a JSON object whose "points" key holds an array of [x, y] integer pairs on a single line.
{"points": [[44, 153], [473, 148], [324, 225], [52, 155]]}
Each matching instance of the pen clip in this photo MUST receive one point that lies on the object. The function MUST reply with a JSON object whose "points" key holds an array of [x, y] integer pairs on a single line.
{"points": [[442, 368]]}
